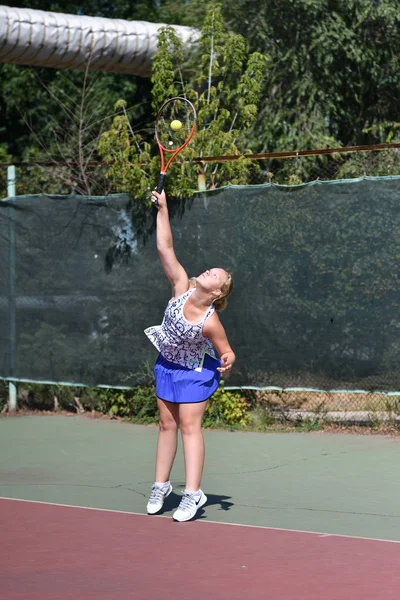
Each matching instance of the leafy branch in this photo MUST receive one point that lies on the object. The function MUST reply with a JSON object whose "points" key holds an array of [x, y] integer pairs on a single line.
{"points": [[223, 83]]}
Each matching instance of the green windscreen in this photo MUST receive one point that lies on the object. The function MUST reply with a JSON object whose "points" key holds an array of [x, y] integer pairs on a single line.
{"points": [[316, 300]]}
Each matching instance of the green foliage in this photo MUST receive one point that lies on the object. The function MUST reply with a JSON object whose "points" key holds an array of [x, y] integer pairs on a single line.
{"points": [[295, 74], [332, 77], [167, 62], [334, 67], [225, 91], [117, 9], [138, 404], [226, 408], [372, 164], [127, 155], [58, 116]]}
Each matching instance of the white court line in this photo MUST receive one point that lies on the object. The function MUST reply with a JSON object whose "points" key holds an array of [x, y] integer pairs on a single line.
{"points": [[125, 512]]}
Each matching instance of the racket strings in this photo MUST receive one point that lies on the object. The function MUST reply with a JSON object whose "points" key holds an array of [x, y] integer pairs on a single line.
{"points": [[174, 124]]}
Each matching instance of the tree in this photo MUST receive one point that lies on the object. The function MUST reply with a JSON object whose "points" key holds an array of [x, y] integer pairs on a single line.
{"points": [[31, 100], [333, 69], [331, 77], [225, 90]]}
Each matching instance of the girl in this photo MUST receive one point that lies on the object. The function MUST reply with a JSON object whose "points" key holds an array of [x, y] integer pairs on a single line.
{"points": [[187, 370]]}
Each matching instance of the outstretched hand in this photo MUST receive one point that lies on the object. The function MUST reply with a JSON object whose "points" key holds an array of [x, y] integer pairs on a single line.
{"points": [[161, 199], [227, 361]]}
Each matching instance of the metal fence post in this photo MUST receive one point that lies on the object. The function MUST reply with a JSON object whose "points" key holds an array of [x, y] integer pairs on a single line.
{"points": [[12, 388]]}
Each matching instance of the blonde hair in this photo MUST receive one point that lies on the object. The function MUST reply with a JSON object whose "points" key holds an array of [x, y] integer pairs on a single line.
{"points": [[226, 289]]}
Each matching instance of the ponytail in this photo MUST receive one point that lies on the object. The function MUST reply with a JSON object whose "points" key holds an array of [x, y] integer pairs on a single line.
{"points": [[221, 302]]}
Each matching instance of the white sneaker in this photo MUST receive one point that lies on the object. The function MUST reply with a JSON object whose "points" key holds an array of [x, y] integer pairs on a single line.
{"points": [[157, 498], [189, 505]]}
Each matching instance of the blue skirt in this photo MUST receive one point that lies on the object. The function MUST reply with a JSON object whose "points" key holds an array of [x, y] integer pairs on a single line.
{"points": [[175, 383]]}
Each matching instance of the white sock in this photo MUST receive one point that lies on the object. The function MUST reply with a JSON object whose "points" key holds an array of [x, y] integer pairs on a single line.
{"points": [[193, 493], [162, 485]]}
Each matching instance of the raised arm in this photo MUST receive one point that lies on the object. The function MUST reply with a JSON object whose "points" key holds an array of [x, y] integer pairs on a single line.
{"points": [[172, 267]]}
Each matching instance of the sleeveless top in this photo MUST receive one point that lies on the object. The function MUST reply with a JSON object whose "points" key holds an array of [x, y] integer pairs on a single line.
{"points": [[178, 340]]}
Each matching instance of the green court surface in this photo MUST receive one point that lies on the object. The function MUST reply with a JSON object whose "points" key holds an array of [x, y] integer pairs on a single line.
{"points": [[329, 483]]}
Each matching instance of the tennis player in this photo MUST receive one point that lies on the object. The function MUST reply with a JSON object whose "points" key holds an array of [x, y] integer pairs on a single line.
{"points": [[194, 351]]}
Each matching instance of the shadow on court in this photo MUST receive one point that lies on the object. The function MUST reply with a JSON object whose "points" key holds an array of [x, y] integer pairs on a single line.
{"points": [[221, 502]]}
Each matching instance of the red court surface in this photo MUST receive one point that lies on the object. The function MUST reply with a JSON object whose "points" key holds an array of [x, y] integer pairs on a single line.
{"points": [[53, 552]]}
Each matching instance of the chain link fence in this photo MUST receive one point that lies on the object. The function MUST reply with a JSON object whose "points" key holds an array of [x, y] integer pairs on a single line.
{"points": [[281, 168], [295, 168]]}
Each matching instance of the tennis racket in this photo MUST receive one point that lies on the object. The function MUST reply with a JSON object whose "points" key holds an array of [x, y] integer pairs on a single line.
{"points": [[175, 126]]}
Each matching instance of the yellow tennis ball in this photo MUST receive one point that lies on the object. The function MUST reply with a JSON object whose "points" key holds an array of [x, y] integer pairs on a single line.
{"points": [[176, 125]]}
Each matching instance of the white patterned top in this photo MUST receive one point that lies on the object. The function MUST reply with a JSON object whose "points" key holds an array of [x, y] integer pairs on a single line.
{"points": [[178, 340]]}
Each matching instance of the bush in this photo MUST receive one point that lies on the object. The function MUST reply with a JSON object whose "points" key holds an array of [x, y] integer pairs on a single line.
{"points": [[138, 404], [226, 408]]}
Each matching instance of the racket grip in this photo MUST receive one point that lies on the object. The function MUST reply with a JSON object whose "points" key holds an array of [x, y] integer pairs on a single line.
{"points": [[160, 184]]}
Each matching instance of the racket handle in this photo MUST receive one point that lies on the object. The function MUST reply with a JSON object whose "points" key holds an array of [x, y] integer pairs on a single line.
{"points": [[160, 184]]}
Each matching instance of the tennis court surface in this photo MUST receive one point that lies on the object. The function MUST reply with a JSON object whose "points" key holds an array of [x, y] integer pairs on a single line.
{"points": [[290, 516]]}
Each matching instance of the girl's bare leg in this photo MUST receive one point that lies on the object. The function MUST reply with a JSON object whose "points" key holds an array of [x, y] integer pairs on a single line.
{"points": [[167, 439], [190, 419]]}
